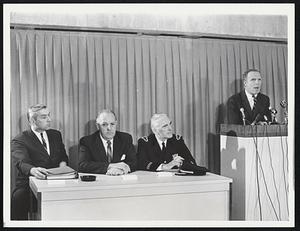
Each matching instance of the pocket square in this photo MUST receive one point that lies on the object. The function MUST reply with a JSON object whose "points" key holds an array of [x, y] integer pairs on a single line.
{"points": [[123, 157]]}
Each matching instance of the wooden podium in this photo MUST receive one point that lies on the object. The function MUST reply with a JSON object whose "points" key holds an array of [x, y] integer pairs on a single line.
{"points": [[256, 158]]}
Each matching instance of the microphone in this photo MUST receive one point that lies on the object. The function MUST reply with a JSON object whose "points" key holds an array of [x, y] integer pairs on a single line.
{"points": [[242, 110], [273, 115], [266, 119], [273, 110], [256, 119], [284, 105]]}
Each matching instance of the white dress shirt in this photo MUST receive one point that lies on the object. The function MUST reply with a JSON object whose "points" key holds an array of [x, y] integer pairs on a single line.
{"points": [[38, 134], [105, 144], [161, 146], [250, 99]]}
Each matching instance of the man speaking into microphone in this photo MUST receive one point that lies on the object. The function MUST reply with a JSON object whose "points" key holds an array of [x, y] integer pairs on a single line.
{"points": [[249, 106]]}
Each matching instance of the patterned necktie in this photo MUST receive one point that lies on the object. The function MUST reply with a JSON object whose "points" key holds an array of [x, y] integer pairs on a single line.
{"points": [[254, 101], [44, 142], [109, 152]]}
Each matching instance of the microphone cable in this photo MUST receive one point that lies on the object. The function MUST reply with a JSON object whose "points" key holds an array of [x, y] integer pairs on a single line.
{"points": [[273, 175], [287, 164], [263, 177], [265, 183], [256, 168]]}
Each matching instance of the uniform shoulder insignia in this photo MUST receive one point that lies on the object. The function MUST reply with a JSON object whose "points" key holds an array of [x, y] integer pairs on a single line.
{"points": [[178, 137], [145, 138]]}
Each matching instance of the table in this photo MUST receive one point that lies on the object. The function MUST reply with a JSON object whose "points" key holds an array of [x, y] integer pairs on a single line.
{"points": [[256, 158], [140, 195]]}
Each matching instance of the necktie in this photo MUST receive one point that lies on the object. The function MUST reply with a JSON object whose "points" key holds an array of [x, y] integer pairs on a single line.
{"points": [[254, 101], [163, 147], [44, 142], [109, 151]]}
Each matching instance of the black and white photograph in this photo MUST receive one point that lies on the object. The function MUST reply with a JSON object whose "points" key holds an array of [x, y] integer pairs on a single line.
{"points": [[149, 115]]}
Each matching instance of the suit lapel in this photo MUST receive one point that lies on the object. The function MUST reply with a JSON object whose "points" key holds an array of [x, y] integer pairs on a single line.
{"points": [[156, 148], [51, 141], [246, 103], [117, 148], [248, 111], [99, 145], [257, 106], [38, 143]]}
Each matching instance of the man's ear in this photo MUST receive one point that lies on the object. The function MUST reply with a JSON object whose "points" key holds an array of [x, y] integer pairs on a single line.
{"points": [[154, 130], [97, 126], [32, 121]]}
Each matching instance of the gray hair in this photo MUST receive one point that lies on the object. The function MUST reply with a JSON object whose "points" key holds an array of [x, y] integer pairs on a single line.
{"points": [[108, 111], [155, 121], [33, 111]]}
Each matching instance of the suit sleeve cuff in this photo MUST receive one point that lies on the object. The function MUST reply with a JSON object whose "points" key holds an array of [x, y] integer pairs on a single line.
{"points": [[148, 167], [152, 166]]}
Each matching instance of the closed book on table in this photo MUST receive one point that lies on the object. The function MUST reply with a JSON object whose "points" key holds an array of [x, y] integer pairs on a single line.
{"points": [[64, 172]]}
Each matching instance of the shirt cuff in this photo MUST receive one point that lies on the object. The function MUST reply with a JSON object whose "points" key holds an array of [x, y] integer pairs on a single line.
{"points": [[160, 167]]}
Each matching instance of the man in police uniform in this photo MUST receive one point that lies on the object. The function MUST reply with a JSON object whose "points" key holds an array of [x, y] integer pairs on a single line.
{"points": [[162, 150]]}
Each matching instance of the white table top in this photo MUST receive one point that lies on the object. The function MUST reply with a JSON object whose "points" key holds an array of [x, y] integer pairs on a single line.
{"points": [[133, 180]]}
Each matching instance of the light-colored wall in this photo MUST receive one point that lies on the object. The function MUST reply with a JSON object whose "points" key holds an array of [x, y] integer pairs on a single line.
{"points": [[270, 26]]}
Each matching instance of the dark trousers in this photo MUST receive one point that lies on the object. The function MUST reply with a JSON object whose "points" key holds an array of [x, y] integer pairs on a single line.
{"points": [[20, 203]]}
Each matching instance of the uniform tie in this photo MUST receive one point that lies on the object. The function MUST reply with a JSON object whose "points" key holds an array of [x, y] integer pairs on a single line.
{"points": [[44, 142], [109, 152], [163, 147], [254, 101]]}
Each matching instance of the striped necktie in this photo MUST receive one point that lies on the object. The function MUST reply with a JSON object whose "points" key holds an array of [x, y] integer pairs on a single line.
{"points": [[254, 101], [44, 142], [109, 151]]}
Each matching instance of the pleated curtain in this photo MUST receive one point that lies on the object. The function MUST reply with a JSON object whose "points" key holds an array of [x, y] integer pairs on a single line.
{"points": [[78, 73]]}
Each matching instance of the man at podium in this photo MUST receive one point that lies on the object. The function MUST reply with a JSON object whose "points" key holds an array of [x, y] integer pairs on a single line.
{"points": [[249, 106]]}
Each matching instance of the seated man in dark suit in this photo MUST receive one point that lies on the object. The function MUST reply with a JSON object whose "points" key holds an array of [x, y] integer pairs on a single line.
{"points": [[107, 151], [33, 151], [249, 106], [162, 150]]}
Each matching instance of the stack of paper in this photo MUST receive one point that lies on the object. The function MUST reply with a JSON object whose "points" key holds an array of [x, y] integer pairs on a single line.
{"points": [[64, 172]]}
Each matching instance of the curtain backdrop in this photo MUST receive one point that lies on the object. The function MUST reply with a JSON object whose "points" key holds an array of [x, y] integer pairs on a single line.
{"points": [[77, 73]]}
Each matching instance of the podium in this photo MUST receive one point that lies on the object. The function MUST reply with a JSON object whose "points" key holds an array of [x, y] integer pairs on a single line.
{"points": [[256, 159]]}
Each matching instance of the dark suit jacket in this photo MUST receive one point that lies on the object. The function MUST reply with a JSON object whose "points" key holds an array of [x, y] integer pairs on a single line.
{"points": [[240, 100], [27, 152], [150, 155], [93, 158]]}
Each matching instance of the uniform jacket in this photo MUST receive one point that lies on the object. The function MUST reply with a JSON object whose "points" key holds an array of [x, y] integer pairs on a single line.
{"points": [[150, 155], [93, 158], [240, 100], [27, 152]]}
